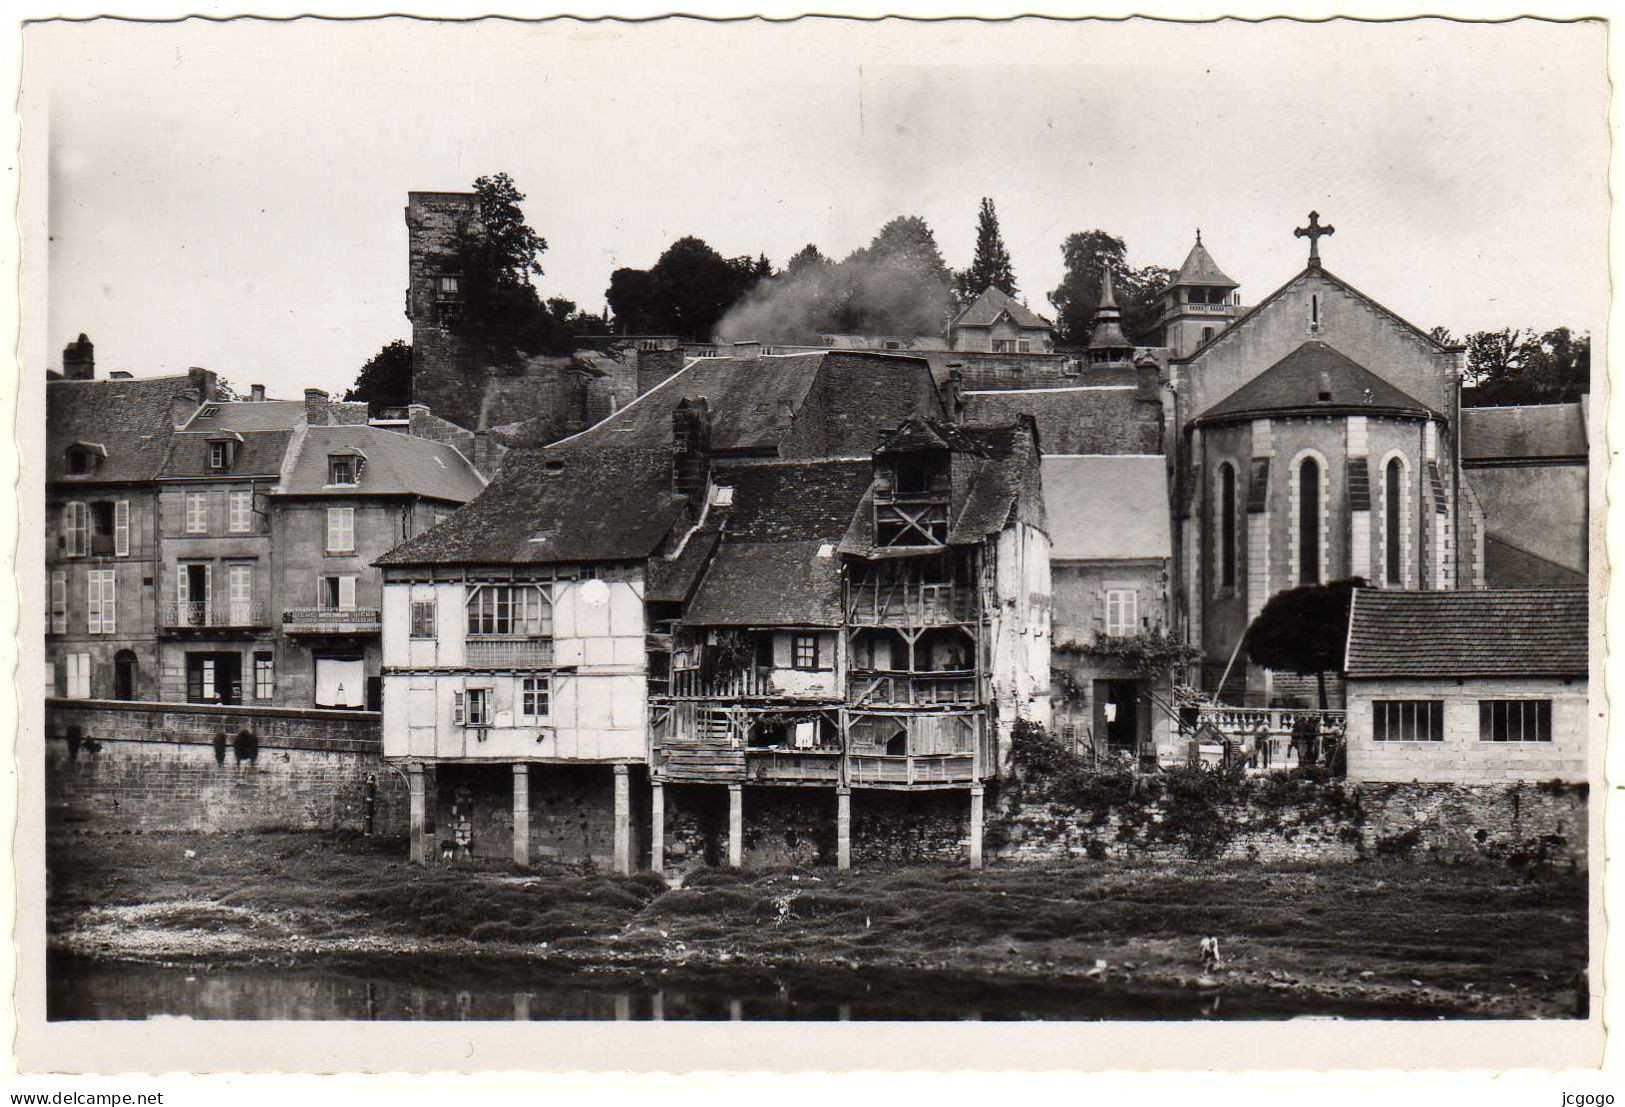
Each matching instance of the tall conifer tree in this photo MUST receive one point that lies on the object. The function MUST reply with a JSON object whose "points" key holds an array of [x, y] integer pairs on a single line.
{"points": [[991, 265]]}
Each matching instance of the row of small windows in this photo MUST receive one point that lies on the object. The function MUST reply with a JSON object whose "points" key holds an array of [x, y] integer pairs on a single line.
{"points": [[1498, 720], [1309, 522]]}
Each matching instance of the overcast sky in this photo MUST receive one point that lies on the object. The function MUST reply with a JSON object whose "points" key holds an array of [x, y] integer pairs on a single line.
{"points": [[231, 195]]}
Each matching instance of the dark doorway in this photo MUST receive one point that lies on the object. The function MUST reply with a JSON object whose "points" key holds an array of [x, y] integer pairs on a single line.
{"points": [[124, 674], [214, 678], [1117, 713]]}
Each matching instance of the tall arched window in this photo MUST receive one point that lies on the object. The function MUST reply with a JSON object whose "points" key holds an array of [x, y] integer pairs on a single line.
{"points": [[1227, 525], [1393, 522], [1309, 521]]}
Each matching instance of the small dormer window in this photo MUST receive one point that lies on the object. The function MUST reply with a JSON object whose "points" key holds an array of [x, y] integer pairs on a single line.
{"points": [[219, 455], [342, 470], [80, 462]]}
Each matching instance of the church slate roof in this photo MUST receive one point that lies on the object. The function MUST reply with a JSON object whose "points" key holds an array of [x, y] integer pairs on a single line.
{"points": [[1107, 508], [1507, 565], [986, 308], [1295, 382], [1529, 431], [130, 418], [1503, 633], [1096, 419], [1200, 268]]}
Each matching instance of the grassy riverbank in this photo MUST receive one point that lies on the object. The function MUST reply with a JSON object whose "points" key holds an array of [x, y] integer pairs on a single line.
{"points": [[1480, 939]]}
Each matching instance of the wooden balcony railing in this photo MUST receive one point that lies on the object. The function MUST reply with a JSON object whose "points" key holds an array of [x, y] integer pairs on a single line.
{"points": [[924, 768], [517, 653], [203, 615], [793, 765], [877, 687]]}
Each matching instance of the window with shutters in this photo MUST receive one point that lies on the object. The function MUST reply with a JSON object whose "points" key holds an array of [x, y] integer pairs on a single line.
{"points": [[336, 593], [341, 530], [77, 675], [102, 594], [240, 593], [1407, 720], [423, 623], [197, 513], [534, 700], [75, 530], [121, 528], [1122, 614], [58, 612], [240, 511], [476, 707], [1515, 720]]}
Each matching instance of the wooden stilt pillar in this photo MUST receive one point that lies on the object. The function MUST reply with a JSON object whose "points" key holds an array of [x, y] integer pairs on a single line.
{"points": [[623, 821], [418, 799], [657, 827], [975, 826], [843, 828], [521, 813], [736, 825]]}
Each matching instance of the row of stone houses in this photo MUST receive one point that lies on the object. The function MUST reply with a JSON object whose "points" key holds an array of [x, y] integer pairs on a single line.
{"points": [[206, 551]]}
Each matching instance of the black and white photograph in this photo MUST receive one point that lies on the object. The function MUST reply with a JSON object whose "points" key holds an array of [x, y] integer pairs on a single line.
{"points": [[870, 527]]}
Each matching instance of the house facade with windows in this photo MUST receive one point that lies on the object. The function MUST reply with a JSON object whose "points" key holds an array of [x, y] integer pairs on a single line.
{"points": [[105, 442], [1468, 687], [997, 323]]}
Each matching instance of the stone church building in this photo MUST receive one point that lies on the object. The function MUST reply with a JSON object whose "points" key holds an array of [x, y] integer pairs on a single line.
{"points": [[1318, 438]]}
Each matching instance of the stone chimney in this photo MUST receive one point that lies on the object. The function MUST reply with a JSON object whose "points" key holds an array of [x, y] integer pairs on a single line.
{"points": [[316, 413], [1147, 382], [256, 393], [954, 394], [417, 419], [205, 381], [691, 449], [79, 360], [182, 405]]}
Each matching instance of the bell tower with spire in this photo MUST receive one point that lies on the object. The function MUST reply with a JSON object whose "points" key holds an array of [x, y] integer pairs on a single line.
{"points": [[1107, 343], [1200, 302]]}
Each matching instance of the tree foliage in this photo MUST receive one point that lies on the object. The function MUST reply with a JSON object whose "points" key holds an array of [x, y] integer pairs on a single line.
{"points": [[386, 379], [898, 284], [686, 293], [990, 266], [1304, 630], [1513, 366], [1088, 255]]}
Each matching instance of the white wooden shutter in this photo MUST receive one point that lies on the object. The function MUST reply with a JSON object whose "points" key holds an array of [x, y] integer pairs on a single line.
{"points": [[59, 602], [208, 590], [121, 528], [347, 593], [457, 707], [79, 676]]}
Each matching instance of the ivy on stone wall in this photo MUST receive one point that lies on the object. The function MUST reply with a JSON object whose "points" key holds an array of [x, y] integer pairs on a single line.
{"points": [[1151, 653]]}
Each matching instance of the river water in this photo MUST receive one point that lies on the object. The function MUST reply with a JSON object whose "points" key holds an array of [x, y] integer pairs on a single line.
{"points": [[477, 988]]}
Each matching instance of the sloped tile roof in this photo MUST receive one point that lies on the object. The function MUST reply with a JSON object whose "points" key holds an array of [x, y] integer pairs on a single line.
{"points": [[1107, 508], [259, 454], [794, 501], [1504, 633], [673, 580], [982, 311], [1200, 268], [396, 464], [766, 584], [249, 415], [1294, 384], [568, 503], [131, 418], [1096, 419], [1527, 431], [1509, 566]]}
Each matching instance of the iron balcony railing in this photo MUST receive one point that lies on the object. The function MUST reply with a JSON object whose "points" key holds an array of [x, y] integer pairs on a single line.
{"points": [[355, 620], [204, 615]]}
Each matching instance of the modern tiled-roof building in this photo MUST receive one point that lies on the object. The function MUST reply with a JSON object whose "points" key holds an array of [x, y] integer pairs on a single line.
{"points": [[1468, 687], [680, 595], [996, 322]]}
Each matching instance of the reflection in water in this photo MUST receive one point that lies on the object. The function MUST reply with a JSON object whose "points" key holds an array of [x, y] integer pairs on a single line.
{"points": [[486, 989]]}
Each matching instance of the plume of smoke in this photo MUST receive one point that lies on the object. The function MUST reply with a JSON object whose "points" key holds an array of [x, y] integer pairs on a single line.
{"points": [[862, 295]]}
